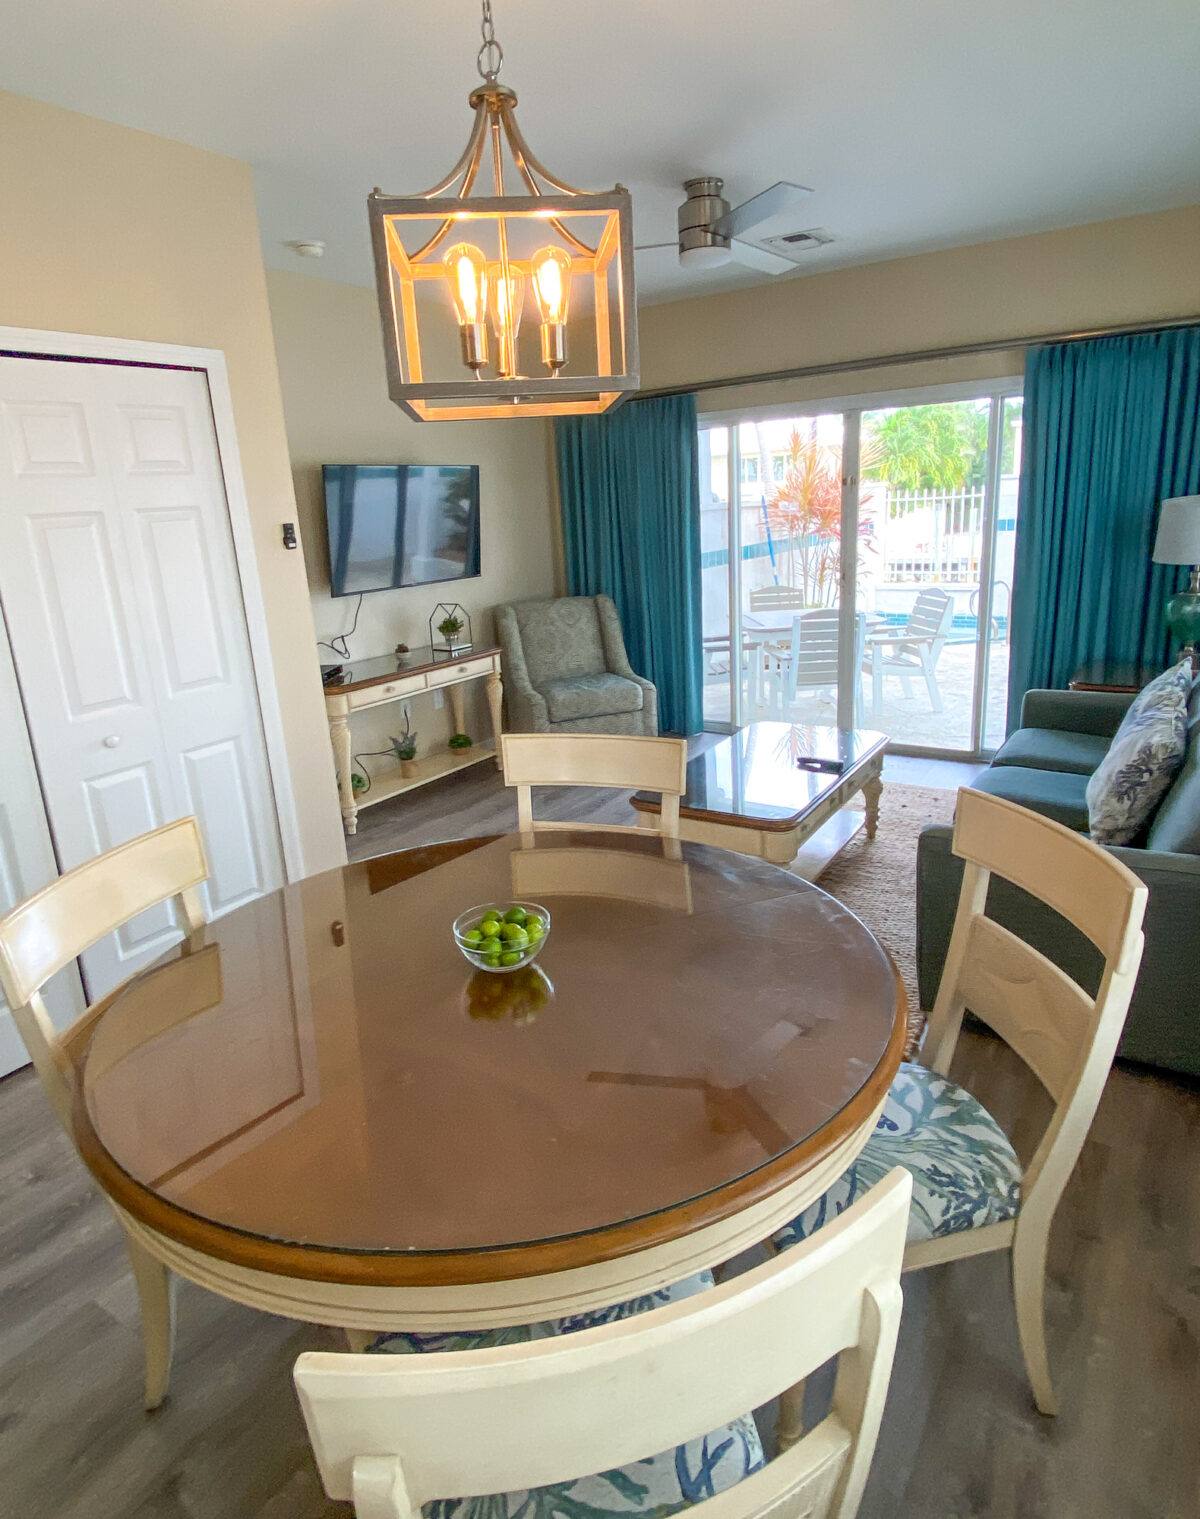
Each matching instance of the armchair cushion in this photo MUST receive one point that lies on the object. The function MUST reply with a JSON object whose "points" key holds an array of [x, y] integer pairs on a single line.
{"points": [[1053, 749], [655, 1487], [591, 696], [965, 1172], [560, 639]]}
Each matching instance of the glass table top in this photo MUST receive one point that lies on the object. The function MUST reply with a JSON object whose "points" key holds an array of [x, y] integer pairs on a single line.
{"points": [[322, 1067], [771, 772]]}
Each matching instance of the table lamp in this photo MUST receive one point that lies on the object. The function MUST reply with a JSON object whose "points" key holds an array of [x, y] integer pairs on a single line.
{"points": [[1178, 542]]}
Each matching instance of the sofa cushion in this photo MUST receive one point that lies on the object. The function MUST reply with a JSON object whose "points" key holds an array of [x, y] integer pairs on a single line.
{"points": [[560, 639], [1143, 759], [1055, 794], [1176, 824], [1053, 749], [591, 696]]}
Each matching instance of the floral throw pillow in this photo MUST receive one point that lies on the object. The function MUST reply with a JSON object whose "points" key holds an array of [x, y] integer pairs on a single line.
{"points": [[1143, 759]]}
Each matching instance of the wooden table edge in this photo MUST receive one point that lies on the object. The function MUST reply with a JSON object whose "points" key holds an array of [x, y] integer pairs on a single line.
{"points": [[469, 1268]]}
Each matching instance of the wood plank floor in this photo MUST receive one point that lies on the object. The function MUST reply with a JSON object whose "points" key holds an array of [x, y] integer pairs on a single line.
{"points": [[960, 1436]]}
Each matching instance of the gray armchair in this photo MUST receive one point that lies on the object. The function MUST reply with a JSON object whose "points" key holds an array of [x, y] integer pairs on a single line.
{"points": [[566, 669]]}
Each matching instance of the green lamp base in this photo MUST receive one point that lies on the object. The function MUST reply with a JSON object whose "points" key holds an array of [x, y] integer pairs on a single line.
{"points": [[1183, 618]]}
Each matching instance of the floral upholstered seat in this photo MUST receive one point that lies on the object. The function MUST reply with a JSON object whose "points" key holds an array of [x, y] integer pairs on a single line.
{"points": [[657, 1486], [965, 1172]]}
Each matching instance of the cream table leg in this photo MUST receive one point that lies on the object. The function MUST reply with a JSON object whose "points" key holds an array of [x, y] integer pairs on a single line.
{"points": [[457, 715], [494, 690], [872, 790], [339, 731], [156, 1298]]}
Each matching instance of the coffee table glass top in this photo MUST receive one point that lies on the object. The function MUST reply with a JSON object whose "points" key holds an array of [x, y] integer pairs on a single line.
{"points": [[324, 1069], [754, 776]]}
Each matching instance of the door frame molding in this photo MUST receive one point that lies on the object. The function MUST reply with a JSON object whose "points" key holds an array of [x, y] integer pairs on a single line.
{"points": [[35, 343]]}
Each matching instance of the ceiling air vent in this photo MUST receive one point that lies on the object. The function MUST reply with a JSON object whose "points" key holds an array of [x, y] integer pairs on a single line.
{"points": [[799, 242]]}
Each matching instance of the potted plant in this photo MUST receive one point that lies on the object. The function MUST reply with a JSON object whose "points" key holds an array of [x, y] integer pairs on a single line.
{"points": [[461, 741], [450, 627], [451, 624], [405, 749]]}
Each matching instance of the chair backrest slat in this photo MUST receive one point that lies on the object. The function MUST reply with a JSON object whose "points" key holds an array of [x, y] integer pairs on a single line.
{"points": [[1067, 1037], [46, 931], [457, 1424], [613, 761], [59, 922]]}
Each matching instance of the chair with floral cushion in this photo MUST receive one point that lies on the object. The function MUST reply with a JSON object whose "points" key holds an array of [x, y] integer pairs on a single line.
{"points": [[970, 1192], [566, 1418]]}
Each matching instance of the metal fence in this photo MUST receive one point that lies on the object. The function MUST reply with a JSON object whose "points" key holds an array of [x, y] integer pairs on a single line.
{"points": [[928, 536]]}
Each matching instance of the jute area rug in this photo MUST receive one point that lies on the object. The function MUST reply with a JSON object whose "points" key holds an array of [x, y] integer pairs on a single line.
{"points": [[877, 878]]}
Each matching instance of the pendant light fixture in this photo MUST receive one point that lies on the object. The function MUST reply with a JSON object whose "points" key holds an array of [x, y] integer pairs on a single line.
{"points": [[455, 271]]}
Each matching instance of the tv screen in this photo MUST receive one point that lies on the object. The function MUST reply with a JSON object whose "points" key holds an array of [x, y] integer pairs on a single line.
{"points": [[400, 524]]}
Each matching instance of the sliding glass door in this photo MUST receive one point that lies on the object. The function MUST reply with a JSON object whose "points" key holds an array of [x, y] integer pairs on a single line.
{"points": [[858, 567]]}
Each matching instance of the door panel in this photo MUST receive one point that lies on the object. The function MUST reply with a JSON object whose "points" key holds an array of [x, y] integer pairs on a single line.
{"points": [[119, 583]]}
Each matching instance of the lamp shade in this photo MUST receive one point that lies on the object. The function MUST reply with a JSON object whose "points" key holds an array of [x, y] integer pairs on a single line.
{"points": [[1178, 540]]}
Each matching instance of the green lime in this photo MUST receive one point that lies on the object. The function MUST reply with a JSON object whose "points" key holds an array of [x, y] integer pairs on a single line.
{"points": [[490, 930], [515, 915], [516, 935], [489, 918], [492, 959], [534, 927], [511, 957], [472, 937]]}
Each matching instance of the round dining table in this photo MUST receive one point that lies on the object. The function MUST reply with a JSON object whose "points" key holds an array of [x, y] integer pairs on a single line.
{"points": [[316, 1106]]}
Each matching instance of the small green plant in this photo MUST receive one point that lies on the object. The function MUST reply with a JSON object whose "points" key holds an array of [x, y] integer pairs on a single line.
{"points": [[406, 747], [461, 741], [358, 782], [450, 627]]}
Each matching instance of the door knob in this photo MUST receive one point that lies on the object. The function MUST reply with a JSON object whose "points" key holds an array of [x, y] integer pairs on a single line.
{"points": [[112, 741]]}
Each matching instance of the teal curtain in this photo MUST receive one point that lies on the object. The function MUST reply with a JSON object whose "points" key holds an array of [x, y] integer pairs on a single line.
{"points": [[1112, 426], [629, 484]]}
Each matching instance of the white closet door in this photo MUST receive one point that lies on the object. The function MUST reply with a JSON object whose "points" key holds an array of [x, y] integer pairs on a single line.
{"points": [[119, 586], [26, 856]]}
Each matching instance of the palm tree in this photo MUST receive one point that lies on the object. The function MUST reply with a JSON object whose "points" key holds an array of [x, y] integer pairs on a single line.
{"points": [[806, 508]]}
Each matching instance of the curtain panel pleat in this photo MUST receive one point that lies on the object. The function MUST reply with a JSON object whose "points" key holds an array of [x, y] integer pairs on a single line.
{"points": [[1112, 427], [629, 487]]}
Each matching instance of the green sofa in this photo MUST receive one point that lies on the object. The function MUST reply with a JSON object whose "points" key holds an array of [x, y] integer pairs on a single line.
{"points": [[1045, 765]]}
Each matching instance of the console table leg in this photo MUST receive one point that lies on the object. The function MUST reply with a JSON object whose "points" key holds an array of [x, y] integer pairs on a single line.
{"points": [[457, 717], [494, 690], [872, 790], [339, 732]]}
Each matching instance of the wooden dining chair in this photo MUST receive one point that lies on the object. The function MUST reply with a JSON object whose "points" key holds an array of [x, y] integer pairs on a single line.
{"points": [[50, 929], [618, 762], [970, 1192], [393, 1434]]}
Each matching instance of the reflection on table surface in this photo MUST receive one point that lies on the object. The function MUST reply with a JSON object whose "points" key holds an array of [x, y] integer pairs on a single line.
{"points": [[327, 1070]]}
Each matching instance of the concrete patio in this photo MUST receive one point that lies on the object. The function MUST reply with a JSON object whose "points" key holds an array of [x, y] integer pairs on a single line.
{"points": [[906, 719]]}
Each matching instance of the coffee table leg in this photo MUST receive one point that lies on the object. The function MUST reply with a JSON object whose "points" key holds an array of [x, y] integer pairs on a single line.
{"points": [[872, 790]]}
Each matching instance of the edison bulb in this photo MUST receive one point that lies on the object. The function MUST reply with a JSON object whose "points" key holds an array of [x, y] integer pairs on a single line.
{"points": [[466, 278]]}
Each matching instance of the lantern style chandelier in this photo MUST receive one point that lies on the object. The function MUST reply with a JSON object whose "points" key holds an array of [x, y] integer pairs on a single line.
{"points": [[456, 272]]}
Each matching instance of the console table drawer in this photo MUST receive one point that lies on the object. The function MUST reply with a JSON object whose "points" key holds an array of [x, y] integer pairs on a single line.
{"points": [[370, 696], [466, 669]]}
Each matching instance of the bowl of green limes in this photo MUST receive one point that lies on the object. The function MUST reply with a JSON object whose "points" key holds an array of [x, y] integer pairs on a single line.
{"points": [[502, 936]]}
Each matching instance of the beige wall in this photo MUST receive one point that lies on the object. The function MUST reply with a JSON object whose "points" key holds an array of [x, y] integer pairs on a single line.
{"points": [[118, 233], [1140, 268], [338, 412]]}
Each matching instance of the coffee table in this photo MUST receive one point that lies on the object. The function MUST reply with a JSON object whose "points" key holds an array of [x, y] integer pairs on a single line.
{"points": [[748, 793]]}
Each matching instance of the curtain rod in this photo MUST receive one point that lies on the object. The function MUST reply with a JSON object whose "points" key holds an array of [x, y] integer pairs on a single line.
{"points": [[918, 356]]}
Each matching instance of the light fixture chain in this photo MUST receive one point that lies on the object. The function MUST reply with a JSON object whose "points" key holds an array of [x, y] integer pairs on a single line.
{"points": [[491, 55]]}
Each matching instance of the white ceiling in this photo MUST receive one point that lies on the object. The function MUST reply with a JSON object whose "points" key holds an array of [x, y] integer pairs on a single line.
{"points": [[919, 123]]}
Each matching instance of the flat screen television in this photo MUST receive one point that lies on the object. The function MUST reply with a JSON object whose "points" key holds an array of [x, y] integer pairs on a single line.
{"points": [[392, 525]]}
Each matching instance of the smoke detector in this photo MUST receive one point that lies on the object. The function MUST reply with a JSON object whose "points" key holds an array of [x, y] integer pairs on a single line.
{"points": [[308, 247]]}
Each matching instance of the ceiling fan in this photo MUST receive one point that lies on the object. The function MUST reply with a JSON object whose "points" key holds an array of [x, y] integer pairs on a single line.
{"points": [[711, 233]]}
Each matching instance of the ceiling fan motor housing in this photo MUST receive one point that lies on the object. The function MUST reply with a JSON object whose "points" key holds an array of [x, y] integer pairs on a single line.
{"points": [[700, 245]]}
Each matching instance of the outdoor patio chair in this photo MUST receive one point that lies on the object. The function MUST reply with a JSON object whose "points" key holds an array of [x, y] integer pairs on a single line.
{"points": [[777, 598], [809, 663], [912, 650]]}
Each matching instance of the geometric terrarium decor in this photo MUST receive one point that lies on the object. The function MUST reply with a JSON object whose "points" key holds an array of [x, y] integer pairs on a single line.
{"points": [[450, 628], [505, 305]]}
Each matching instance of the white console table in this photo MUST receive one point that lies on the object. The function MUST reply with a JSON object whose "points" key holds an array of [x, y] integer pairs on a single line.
{"points": [[391, 678]]}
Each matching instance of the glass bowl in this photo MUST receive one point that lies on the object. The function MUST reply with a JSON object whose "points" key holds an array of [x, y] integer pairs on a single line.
{"points": [[499, 962]]}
